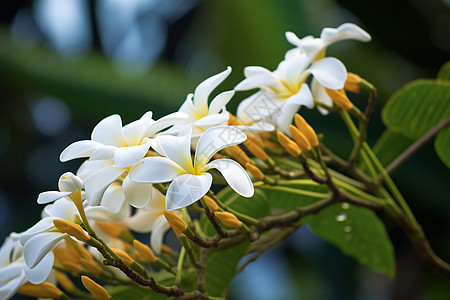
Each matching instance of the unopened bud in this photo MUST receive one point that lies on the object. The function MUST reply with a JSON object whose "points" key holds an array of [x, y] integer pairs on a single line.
{"points": [[145, 252], [211, 203], [238, 154], [228, 219], [71, 229], [95, 289], [116, 230], [256, 151], [64, 281], [123, 256], [340, 99], [68, 182], [290, 146], [42, 290], [232, 120], [352, 84], [300, 138], [255, 171], [72, 267], [253, 139], [176, 222], [307, 130]]}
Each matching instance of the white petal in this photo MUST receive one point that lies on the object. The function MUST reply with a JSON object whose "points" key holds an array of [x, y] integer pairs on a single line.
{"points": [[10, 288], [292, 38], [91, 166], [11, 270], [321, 95], [47, 197], [109, 132], [257, 127], [104, 153], [41, 226], [113, 198], [79, 149], [186, 189], [215, 139], [329, 72], [96, 184], [257, 107], [205, 88], [177, 148], [156, 238], [212, 120], [257, 77], [127, 156], [165, 122], [220, 101], [293, 69], [155, 170], [137, 194], [134, 131], [234, 174], [5, 251], [142, 221], [42, 270], [61, 209], [98, 213], [344, 32], [39, 245]]}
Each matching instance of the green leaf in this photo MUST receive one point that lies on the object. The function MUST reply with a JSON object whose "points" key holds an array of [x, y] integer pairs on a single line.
{"points": [[442, 146], [360, 234], [221, 268], [390, 145], [444, 72], [418, 107], [357, 232], [122, 292]]}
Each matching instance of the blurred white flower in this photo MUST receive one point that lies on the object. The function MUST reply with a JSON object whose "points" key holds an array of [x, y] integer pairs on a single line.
{"points": [[189, 178]]}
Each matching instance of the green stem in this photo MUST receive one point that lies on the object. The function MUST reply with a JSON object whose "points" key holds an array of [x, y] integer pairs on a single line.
{"points": [[180, 266], [293, 191], [241, 216]]}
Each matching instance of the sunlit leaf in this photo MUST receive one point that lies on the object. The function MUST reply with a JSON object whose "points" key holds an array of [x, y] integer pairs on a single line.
{"points": [[442, 146], [444, 72], [390, 145]]}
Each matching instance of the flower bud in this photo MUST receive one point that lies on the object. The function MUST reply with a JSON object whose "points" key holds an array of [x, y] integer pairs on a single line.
{"points": [[42, 290], [256, 150], [176, 222], [253, 139], [255, 171], [144, 251], [64, 281], [91, 266], [95, 289], [72, 267], [116, 230], [352, 83], [307, 130], [300, 138], [340, 99], [68, 182], [238, 154], [211, 203], [291, 147], [123, 256], [228, 219], [71, 229]]}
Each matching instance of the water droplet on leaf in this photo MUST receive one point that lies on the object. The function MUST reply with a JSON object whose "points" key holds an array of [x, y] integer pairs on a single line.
{"points": [[345, 205], [341, 217], [347, 229]]}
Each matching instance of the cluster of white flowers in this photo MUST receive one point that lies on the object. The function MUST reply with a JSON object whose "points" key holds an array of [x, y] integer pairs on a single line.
{"points": [[124, 162]]}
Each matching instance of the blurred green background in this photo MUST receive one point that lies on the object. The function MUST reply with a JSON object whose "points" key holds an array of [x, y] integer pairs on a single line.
{"points": [[66, 64]]}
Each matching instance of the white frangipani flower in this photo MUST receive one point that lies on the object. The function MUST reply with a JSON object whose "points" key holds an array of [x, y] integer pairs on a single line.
{"points": [[313, 47], [201, 115], [283, 91], [189, 178], [151, 219], [14, 272], [41, 238], [113, 149], [68, 183]]}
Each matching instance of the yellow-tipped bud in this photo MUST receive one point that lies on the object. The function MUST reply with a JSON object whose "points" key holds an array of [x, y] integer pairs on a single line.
{"points": [[95, 289], [340, 99], [42, 290], [290, 146], [256, 151], [65, 255], [211, 203], [71, 229], [91, 266], [72, 267], [307, 130], [64, 281], [116, 230], [238, 154], [300, 138], [352, 83], [253, 139], [228, 219], [145, 253], [123, 256], [176, 222], [255, 171]]}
